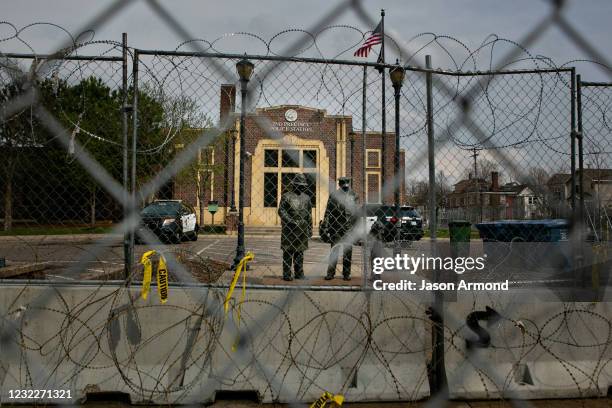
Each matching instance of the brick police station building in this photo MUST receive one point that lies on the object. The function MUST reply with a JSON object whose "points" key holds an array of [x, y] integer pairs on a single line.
{"points": [[321, 146]]}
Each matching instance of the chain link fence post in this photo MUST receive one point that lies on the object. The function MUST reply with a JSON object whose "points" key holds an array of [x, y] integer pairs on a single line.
{"points": [[132, 204], [573, 140], [124, 127], [366, 269], [438, 374], [433, 224], [580, 159]]}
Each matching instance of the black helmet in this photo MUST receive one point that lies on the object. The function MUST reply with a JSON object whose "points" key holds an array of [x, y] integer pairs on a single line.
{"points": [[299, 180], [344, 180]]}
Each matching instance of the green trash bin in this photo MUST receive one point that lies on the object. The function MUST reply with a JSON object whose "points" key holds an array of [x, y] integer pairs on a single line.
{"points": [[460, 232]]}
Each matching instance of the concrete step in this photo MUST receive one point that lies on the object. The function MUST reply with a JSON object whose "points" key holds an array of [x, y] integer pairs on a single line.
{"points": [[262, 230]]}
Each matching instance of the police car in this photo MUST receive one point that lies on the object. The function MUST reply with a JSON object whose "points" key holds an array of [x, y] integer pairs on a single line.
{"points": [[410, 221], [171, 220]]}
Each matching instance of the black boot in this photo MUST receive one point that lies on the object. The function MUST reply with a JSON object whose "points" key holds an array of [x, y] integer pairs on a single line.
{"points": [[298, 264], [346, 262], [287, 261]]}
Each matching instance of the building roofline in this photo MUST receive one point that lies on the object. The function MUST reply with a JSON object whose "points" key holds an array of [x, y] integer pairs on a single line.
{"points": [[287, 106], [303, 107]]}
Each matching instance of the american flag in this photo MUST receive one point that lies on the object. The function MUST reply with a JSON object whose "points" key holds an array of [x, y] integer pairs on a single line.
{"points": [[375, 38]]}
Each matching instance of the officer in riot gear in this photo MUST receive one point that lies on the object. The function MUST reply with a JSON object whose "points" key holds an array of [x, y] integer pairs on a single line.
{"points": [[295, 211], [340, 217]]}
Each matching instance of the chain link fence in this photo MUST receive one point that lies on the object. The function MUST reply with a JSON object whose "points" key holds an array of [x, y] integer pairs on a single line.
{"points": [[596, 146], [43, 184]]}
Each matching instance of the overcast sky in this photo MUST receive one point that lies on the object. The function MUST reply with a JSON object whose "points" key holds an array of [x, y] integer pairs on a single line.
{"points": [[467, 23], [470, 21]]}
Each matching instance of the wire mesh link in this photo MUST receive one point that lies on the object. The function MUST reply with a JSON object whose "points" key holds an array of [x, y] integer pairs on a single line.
{"points": [[505, 174], [46, 189], [597, 145]]}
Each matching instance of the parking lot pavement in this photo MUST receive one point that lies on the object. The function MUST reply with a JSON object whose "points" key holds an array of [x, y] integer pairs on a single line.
{"points": [[267, 263], [76, 256], [101, 253]]}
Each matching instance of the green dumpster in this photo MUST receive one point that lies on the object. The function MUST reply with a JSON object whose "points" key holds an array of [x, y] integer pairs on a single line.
{"points": [[460, 232]]}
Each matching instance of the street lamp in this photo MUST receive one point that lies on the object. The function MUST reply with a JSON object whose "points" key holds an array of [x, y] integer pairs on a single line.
{"points": [[244, 67], [397, 74], [234, 134]]}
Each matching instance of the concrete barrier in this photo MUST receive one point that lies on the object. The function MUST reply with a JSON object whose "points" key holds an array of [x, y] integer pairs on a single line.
{"points": [[527, 345], [291, 345]]}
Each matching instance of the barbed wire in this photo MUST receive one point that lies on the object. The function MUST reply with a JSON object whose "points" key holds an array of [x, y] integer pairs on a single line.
{"points": [[488, 45]]}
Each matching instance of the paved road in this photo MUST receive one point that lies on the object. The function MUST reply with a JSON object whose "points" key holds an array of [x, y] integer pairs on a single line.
{"points": [[100, 256], [96, 254], [100, 253]]}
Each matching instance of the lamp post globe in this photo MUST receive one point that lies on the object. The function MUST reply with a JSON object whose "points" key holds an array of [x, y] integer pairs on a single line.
{"points": [[245, 68], [397, 74]]}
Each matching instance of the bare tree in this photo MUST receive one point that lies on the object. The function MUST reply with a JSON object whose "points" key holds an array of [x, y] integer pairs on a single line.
{"points": [[598, 160], [547, 203], [595, 154], [484, 167], [419, 191], [538, 176]]}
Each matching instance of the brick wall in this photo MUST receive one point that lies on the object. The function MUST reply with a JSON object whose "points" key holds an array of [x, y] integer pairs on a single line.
{"points": [[374, 141], [323, 128]]}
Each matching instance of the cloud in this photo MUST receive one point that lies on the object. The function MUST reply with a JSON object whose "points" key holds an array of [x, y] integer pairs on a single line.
{"points": [[470, 22]]}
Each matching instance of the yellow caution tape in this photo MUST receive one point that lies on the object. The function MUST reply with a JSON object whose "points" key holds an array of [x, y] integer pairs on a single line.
{"points": [[240, 269], [162, 280], [162, 276], [336, 400], [241, 266], [148, 270]]}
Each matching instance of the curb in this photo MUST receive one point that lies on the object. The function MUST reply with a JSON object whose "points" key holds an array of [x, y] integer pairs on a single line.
{"points": [[60, 239]]}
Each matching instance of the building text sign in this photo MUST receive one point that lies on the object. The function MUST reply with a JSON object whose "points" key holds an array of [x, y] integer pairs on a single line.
{"points": [[291, 123]]}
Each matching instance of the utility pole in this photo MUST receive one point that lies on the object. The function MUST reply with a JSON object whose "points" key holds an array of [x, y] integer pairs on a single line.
{"points": [[475, 155]]}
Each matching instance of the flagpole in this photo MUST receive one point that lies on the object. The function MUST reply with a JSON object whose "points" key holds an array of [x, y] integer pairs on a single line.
{"points": [[384, 114]]}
